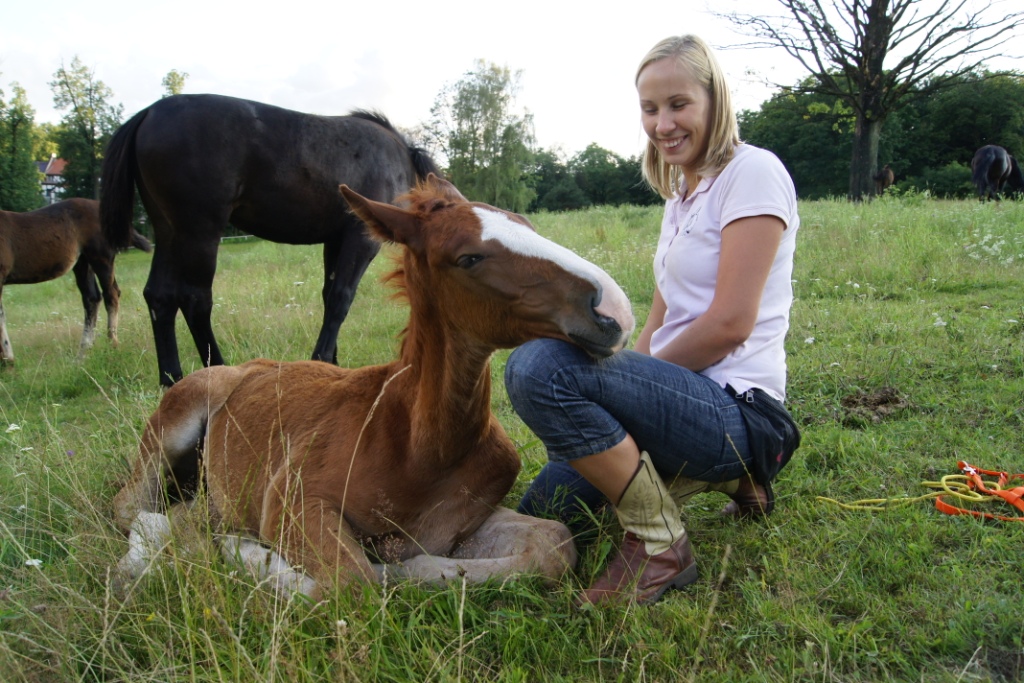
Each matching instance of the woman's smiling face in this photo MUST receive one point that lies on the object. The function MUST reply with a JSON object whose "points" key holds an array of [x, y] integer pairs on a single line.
{"points": [[675, 110]]}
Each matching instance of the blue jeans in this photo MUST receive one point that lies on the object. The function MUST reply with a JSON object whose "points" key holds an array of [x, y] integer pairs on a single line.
{"points": [[579, 406]]}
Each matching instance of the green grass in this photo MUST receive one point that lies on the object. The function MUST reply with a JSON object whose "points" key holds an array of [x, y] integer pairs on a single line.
{"points": [[923, 297]]}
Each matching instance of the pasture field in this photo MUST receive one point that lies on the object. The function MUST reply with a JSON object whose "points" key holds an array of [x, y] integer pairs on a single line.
{"points": [[906, 354]]}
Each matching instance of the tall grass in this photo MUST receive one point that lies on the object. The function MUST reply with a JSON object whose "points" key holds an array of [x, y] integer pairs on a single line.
{"points": [[905, 355]]}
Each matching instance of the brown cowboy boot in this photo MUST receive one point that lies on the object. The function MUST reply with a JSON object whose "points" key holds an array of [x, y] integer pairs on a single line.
{"points": [[655, 554], [749, 499]]}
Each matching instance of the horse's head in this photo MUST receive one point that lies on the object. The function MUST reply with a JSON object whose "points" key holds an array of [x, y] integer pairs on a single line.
{"points": [[488, 273]]}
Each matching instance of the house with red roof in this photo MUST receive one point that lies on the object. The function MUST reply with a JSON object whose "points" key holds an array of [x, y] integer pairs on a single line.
{"points": [[53, 178]]}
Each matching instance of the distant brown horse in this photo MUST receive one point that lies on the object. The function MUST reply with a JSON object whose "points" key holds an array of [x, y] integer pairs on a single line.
{"points": [[42, 245], [884, 179], [403, 462]]}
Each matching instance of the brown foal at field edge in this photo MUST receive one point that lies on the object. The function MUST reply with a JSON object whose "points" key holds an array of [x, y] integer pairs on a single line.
{"points": [[397, 469], [42, 245]]}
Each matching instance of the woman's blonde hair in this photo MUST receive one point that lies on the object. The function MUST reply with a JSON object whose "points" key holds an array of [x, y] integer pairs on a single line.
{"points": [[723, 132]]}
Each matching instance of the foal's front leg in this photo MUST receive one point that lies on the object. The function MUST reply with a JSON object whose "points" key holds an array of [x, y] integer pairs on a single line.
{"points": [[315, 539], [507, 544]]}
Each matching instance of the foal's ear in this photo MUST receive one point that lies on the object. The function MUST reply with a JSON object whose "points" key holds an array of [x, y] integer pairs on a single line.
{"points": [[387, 223]]}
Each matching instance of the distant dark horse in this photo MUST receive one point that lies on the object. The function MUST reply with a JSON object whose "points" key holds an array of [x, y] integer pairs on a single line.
{"points": [[990, 169], [883, 179], [42, 245], [201, 162]]}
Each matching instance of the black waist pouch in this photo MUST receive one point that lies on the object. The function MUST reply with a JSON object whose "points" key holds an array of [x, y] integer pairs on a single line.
{"points": [[771, 433]]}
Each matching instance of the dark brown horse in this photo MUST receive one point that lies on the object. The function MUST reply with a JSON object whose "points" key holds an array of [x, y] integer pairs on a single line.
{"points": [[405, 461], [990, 169], [201, 162], [42, 245], [884, 179]]}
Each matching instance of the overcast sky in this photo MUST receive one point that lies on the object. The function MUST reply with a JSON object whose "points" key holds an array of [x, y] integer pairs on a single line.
{"points": [[326, 57]]}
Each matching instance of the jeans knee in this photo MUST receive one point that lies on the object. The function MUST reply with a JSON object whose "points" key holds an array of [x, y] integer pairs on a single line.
{"points": [[519, 374]]}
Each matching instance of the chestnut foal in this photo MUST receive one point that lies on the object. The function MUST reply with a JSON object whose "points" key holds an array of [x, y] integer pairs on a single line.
{"points": [[403, 462]]}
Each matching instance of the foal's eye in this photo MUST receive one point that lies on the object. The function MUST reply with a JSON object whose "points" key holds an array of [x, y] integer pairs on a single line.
{"points": [[468, 260]]}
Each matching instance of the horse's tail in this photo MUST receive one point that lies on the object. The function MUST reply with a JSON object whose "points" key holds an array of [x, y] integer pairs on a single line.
{"points": [[118, 179], [979, 169], [422, 162], [140, 242]]}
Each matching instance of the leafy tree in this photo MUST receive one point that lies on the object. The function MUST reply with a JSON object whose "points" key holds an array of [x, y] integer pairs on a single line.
{"points": [[926, 142], [19, 176], [555, 186], [488, 147], [597, 173], [877, 55], [44, 140], [810, 133], [89, 122], [174, 82]]}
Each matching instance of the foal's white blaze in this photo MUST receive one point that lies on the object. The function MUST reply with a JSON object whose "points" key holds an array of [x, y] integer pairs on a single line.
{"points": [[521, 240]]}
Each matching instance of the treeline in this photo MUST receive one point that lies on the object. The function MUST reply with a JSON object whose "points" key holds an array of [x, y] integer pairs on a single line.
{"points": [[928, 143], [88, 120], [486, 145]]}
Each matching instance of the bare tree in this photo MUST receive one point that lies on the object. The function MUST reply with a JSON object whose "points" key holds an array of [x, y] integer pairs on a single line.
{"points": [[876, 55]]}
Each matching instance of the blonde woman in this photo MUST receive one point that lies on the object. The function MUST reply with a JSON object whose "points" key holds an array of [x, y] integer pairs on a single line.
{"points": [[697, 405]]}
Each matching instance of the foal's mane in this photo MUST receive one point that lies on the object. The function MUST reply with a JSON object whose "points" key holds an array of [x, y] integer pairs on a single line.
{"points": [[423, 200]]}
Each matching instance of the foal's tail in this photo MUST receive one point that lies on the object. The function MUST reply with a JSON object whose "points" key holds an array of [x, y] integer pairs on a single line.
{"points": [[119, 176]]}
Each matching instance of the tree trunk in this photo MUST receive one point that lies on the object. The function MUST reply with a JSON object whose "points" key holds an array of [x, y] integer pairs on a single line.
{"points": [[864, 163]]}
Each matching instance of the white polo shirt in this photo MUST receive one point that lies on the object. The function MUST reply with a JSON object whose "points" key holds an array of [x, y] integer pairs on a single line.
{"points": [[754, 183]]}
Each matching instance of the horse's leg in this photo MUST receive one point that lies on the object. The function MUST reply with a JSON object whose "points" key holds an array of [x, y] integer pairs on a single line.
{"points": [[6, 352], [506, 544], [314, 538], [85, 278], [104, 269], [345, 262], [196, 263], [266, 565], [171, 442], [161, 297]]}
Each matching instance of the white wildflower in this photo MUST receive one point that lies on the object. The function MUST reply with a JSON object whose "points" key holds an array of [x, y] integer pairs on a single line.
{"points": [[809, 340], [33, 563], [13, 428]]}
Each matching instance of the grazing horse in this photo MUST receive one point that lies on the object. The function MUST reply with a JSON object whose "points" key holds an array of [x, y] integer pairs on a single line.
{"points": [[201, 162], [404, 463], [42, 245], [990, 168], [884, 179]]}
